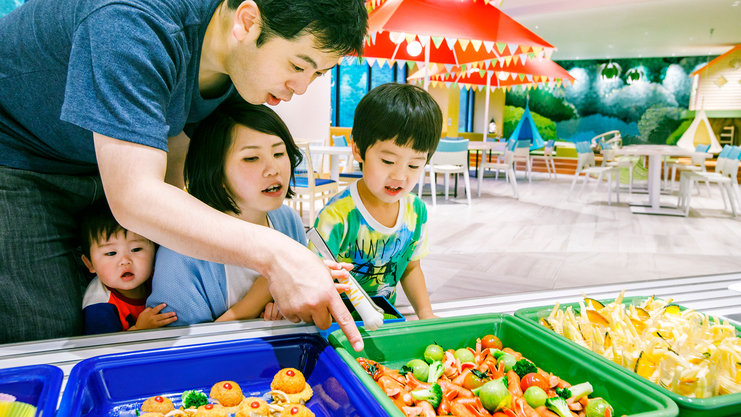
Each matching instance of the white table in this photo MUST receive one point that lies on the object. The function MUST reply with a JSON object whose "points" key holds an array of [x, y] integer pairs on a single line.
{"points": [[655, 154], [496, 148], [334, 153]]}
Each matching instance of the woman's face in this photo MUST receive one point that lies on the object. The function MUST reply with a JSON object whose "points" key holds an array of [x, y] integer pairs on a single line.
{"points": [[257, 171]]}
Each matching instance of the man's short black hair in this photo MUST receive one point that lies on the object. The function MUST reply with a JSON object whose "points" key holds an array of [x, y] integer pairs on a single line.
{"points": [[98, 225], [210, 144], [402, 112], [339, 26]]}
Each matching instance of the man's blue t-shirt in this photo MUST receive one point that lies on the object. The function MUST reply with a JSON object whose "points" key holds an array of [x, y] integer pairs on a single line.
{"points": [[127, 69]]}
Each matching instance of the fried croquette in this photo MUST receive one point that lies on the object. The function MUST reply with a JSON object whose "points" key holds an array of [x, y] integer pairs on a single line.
{"points": [[253, 406], [227, 393], [296, 410], [157, 404], [211, 410], [292, 382]]}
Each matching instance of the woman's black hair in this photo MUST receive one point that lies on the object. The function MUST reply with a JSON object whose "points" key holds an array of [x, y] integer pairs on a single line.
{"points": [[402, 112], [210, 144], [339, 26]]}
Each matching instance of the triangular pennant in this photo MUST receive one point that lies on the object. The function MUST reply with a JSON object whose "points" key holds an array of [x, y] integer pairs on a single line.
{"points": [[381, 61], [525, 49], [536, 78], [392, 62], [463, 68], [437, 40], [512, 48], [451, 43], [373, 38], [507, 60], [396, 37], [537, 49], [513, 75], [468, 87], [489, 72], [479, 87], [482, 73], [448, 83], [529, 77], [433, 84], [523, 59], [351, 60], [503, 75], [463, 43], [548, 53], [476, 44], [424, 40], [433, 68], [371, 61], [501, 46], [410, 37], [448, 67], [488, 45], [488, 63], [531, 56], [522, 76], [410, 64]]}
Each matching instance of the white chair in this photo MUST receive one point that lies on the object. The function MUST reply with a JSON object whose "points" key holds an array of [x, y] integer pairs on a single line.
{"points": [[612, 138], [609, 159], [450, 157], [547, 157], [725, 176], [507, 166], [522, 154], [697, 165], [308, 187], [586, 165]]}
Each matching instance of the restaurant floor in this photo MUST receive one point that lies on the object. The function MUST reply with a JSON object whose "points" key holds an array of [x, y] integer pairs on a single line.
{"points": [[500, 245]]}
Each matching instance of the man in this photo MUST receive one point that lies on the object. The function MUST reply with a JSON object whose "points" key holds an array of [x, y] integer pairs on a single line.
{"points": [[94, 97]]}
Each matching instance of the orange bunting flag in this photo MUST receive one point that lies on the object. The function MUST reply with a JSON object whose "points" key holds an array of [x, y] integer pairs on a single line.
{"points": [[463, 43]]}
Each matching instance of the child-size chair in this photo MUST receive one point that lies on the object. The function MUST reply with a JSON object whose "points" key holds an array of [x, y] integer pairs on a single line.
{"points": [[547, 157], [725, 175], [451, 157], [348, 173], [586, 166], [308, 187], [697, 165], [507, 166], [522, 154]]}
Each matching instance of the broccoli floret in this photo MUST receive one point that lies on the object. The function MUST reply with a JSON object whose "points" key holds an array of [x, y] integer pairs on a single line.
{"points": [[524, 367], [194, 399], [432, 395], [580, 390], [564, 393], [558, 405], [435, 372]]}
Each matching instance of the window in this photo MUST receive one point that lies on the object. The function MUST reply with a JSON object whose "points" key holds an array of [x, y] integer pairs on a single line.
{"points": [[465, 110], [355, 80]]}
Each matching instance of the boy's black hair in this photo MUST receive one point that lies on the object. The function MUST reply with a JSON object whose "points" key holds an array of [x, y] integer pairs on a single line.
{"points": [[210, 144], [98, 225], [339, 26], [402, 112]]}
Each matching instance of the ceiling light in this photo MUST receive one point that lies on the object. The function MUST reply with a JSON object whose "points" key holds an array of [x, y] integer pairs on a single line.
{"points": [[414, 48]]}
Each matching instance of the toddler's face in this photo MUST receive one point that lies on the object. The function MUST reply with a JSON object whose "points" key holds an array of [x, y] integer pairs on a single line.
{"points": [[391, 171], [122, 262], [258, 171]]}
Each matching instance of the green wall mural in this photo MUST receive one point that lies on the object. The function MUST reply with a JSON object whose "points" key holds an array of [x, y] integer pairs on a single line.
{"points": [[643, 98]]}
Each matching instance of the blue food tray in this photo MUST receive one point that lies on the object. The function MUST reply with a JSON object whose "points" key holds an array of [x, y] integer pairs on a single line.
{"points": [[380, 301], [116, 385], [38, 385]]}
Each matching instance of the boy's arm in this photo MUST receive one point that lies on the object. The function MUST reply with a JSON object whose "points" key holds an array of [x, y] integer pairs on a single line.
{"points": [[413, 282], [252, 304]]}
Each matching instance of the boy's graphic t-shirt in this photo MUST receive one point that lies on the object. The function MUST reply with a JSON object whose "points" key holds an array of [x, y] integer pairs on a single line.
{"points": [[106, 310], [379, 254]]}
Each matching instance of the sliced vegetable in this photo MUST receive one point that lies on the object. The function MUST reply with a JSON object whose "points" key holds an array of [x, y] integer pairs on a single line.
{"points": [[580, 390], [595, 304]]}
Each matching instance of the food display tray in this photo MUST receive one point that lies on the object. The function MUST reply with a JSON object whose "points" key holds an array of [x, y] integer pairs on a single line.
{"points": [[380, 301], [394, 345], [720, 406], [38, 385], [117, 385]]}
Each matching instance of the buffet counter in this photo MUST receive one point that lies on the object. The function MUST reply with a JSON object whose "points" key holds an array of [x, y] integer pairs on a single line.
{"points": [[708, 294]]}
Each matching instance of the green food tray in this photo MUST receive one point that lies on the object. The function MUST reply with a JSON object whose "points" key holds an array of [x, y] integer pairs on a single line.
{"points": [[720, 406], [395, 344]]}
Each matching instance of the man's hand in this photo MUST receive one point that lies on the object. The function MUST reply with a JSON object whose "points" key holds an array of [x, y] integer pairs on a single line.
{"points": [[304, 290], [271, 312], [151, 318]]}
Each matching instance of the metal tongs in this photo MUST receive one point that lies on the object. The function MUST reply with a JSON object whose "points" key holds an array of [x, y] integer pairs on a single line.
{"points": [[321, 246]]}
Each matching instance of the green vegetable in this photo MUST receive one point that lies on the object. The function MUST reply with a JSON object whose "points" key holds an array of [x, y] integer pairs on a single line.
{"points": [[597, 408], [494, 395], [535, 396], [194, 399], [432, 395], [404, 370], [433, 353], [509, 361], [387, 316], [564, 393], [496, 353], [524, 367], [580, 390], [558, 405], [464, 355], [505, 380], [435, 372], [420, 369]]}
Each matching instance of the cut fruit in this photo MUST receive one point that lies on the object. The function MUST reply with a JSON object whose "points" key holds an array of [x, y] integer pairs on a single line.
{"points": [[642, 314], [645, 365], [639, 325], [597, 318], [594, 303], [673, 309]]}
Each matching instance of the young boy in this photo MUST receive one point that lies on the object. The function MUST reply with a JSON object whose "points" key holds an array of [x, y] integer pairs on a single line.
{"points": [[376, 224], [115, 300]]}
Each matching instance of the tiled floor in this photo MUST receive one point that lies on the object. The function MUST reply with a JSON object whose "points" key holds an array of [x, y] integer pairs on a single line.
{"points": [[500, 245]]}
